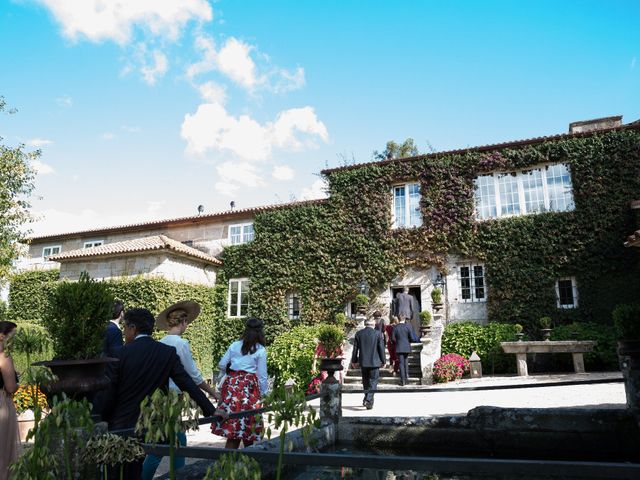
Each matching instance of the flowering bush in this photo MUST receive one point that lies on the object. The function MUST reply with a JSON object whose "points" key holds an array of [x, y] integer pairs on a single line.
{"points": [[449, 367], [314, 385], [27, 397]]}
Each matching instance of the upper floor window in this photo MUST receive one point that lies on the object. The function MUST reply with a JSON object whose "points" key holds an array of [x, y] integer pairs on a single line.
{"points": [[567, 293], [93, 243], [406, 205], [540, 189], [473, 288], [51, 250], [240, 233], [293, 305], [239, 291]]}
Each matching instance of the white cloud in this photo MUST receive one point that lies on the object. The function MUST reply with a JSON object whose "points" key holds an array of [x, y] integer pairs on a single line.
{"points": [[151, 73], [206, 45], [100, 20], [233, 175], [212, 128], [108, 136], [234, 61], [42, 168], [287, 81], [318, 189], [225, 188], [211, 92], [39, 142], [282, 172], [64, 101]]}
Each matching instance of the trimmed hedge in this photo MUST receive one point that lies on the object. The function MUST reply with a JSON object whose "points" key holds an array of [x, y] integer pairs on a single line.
{"points": [[209, 336], [604, 356], [465, 337]]}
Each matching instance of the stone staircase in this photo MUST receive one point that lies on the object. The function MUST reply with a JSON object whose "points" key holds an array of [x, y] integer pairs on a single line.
{"points": [[353, 379]]}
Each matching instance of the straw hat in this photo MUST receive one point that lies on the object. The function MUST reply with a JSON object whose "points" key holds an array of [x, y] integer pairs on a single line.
{"points": [[192, 308]]}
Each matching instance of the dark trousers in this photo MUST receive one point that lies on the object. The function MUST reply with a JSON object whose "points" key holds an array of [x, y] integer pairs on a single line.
{"points": [[370, 378], [404, 369]]}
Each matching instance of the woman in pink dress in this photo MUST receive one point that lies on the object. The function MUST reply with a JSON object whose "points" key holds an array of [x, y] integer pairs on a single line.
{"points": [[9, 439]]}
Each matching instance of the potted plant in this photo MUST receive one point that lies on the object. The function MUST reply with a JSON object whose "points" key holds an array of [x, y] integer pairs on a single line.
{"points": [[626, 319], [545, 327], [436, 298], [425, 322], [362, 302], [330, 339], [76, 322], [518, 329]]}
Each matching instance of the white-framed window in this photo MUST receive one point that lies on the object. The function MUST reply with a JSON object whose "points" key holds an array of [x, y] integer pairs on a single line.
{"points": [[93, 243], [239, 292], [50, 250], [293, 304], [541, 189], [240, 233], [406, 205], [567, 292], [473, 287]]}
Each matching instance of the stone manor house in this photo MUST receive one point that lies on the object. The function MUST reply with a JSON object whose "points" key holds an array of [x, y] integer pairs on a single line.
{"points": [[187, 249]]}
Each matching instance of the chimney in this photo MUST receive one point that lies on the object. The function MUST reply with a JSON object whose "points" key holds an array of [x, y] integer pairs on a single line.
{"points": [[595, 124]]}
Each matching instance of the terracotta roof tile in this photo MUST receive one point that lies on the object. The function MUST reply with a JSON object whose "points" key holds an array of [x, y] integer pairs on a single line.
{"points": [[138, 245], [175, 221]]}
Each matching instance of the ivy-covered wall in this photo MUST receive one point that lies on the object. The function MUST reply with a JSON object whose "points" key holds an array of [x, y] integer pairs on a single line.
{"points": [[324, 250], [209, 335]]}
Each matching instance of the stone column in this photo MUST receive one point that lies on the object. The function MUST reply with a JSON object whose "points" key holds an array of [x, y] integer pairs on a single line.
{"points": [[431, 351], [331, 401], [521, 360]]}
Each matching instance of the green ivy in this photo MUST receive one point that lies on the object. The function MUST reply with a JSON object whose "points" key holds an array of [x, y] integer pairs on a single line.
{"points": [[323, 250]]}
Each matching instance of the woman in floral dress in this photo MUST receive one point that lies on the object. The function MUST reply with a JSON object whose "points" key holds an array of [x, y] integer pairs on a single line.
{"points": [[246, 383]]}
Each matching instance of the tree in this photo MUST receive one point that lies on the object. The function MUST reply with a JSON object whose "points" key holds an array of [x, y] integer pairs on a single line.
{"points": [[407, 148], [16, 184]]}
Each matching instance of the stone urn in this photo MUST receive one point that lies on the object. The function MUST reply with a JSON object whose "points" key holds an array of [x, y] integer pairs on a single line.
{"points": [[519, 336], [629, 355], [331, 366], [26, 422], [546, 334], [78, 378]]}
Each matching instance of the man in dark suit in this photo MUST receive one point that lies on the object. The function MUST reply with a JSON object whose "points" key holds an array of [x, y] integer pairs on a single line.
{"points": [[113, 336], [145, 365], [368, 352], [402, 338]]}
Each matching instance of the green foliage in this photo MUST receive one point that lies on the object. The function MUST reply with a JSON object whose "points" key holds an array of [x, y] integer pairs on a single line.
{"points": [[30, 340], [340, 319], [331, 338], [16, 184], [465, 337], [30, 293], [361, 300], [604, 356], [78, 318], [626, 318], [234, 466], [436, 295], [110, 450], [545, 322], [286, 410], [518, 328], [425, 318], [407, 148], [291, 355]]}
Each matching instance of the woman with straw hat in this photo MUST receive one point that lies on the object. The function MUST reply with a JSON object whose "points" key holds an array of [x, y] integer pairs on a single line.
{"points": [[175, 320]]}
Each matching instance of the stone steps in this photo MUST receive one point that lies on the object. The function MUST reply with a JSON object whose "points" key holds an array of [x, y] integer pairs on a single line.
{"points": [[353, 378]]}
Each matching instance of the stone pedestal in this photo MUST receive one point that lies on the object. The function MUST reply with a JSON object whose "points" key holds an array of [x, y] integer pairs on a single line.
{"points": [[431, 350], [629, 355], [330, 402]]}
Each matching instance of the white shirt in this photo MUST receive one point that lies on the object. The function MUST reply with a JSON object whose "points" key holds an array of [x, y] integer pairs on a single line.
{"points": [[250, 363], [184, 352]]}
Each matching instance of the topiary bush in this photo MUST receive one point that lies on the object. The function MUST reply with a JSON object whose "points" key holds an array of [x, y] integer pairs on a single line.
{"points": [[450, 367], [291, 355], [78, 318], [465, 337]]}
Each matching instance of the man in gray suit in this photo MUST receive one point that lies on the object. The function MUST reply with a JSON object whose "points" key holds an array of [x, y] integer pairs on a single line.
{"points": [[404, 305], [368, 353]]}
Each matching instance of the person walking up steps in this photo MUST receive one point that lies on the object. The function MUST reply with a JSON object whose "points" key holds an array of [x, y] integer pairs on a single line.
{"points": [[368, 354], [402, 339]]}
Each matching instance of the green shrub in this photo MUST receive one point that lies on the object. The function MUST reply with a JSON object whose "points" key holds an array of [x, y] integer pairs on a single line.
{"points": [[361, 300], [330, 338], [340, 319], [436, 295], [291, 355], [626, 318], [425, 318], [604, 356], [30, 293], [465, 337], [545, 322]]}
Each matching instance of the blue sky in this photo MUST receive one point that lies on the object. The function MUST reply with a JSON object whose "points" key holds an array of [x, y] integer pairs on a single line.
{"points": [[145, 109]]}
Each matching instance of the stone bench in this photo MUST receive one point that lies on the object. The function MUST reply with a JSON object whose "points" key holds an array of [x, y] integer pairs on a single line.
{"points": [[575, 347]]}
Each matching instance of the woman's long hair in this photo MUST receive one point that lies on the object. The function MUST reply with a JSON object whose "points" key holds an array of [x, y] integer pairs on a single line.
{"points": [[253, 336]]}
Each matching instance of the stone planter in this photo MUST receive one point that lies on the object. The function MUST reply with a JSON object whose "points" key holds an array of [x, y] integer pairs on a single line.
{"points": [[331, 366], [519, 336], [78, 378], [546, 334], [629, 354], [424, 330], [26, 422], [436, 307]]}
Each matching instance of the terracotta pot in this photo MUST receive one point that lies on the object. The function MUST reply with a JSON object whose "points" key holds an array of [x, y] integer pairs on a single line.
{"points": [[26, 422], [78, 378]]}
